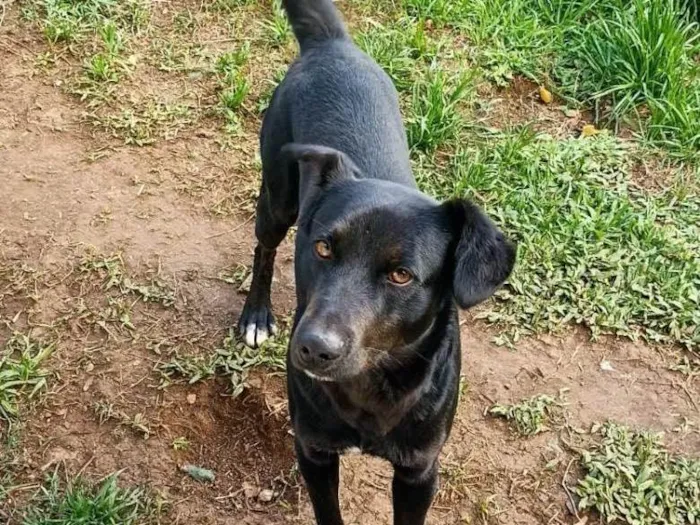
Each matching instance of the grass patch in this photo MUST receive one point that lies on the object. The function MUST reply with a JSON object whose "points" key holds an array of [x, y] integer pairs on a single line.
{"points": [[399, 49], [629, 60], [641, 59], [113, 273], [233, 360], [434, 119], [529, 417], [106, 411], [68, 21], [21, 372], [278, 28], [145, 124], [630, 477], [79, 502], [593, 249], [233, 87]]}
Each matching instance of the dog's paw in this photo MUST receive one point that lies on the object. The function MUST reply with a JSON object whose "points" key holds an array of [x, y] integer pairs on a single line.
{"points": [[256, 325]]}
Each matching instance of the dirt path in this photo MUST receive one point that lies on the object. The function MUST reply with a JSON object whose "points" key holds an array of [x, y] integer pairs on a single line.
{"points": [[65, 194]]}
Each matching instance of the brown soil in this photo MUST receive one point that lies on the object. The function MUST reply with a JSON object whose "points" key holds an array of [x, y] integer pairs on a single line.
{"points": [[154, 205]]}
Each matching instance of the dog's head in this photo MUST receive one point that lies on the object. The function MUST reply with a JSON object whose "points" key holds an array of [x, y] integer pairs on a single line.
{"points": [[376, 261]]}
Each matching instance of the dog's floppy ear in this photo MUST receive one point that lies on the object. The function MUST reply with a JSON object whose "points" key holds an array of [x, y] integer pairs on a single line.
{"points": [[483, 257], [318, 166]]}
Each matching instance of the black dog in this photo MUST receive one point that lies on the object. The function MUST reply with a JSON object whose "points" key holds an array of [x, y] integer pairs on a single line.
{"points": [[374, 360]]}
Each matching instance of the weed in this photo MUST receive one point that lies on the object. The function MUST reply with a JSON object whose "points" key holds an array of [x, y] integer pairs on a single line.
{"points": [[632, 478], [441, 11], [398, 49], [111, 269], [233, 87], [184, 21], [626, 58], [84, 503], [21, 371], [529, 416], [229, 64], [454, 480], [102, 68], [266, 96], [106, 411], [68, 21], [434, 117], [232, 97], [643, 54], [181, 443], [229, 5], [234, 360], [142, 125], [689, 366], [236, 275], [278, 27]]}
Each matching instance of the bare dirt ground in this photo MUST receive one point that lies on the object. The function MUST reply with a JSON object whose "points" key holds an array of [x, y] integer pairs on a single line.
{"points": [[66, 193]]}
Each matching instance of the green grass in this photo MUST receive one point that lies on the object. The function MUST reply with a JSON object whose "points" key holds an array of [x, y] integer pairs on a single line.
{"points": [[631, 478], [233, 360], [69, 21], [434, 119], [21, 372], [642, 58], [278, 28], [632, 61], [530, 416], [233, 86], [81, 503], [593, 248], [400, 49]]}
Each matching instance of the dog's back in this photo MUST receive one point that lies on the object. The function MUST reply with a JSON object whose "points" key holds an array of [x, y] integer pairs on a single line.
{"points": [[334, 95]]}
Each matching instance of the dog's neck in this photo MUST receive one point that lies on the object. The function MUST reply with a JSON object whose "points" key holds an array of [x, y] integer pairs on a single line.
{"points": [[376, 401]]}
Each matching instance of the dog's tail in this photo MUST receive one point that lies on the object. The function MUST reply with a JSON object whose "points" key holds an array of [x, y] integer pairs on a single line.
{"points": [[314, 21]]}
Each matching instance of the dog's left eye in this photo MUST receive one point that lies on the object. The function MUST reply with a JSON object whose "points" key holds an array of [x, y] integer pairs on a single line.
{"points": [[323, 249], [400, 276]]}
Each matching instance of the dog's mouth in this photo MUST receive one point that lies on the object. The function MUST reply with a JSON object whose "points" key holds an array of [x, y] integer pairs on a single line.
{"points": [[321, 378]]}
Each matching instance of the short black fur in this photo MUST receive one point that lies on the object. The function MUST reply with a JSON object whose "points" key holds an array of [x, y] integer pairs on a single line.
{"points": [[374, 359]]}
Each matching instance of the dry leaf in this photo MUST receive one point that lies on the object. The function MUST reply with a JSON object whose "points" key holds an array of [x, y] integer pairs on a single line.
{"points": [[545, 95]]}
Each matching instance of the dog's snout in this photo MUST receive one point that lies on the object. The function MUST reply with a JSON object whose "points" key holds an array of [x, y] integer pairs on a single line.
{"points": [[317, 350]]}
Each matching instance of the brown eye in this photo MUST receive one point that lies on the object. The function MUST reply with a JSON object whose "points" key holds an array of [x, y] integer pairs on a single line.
{"points": [[400, 276], [323, 249]]}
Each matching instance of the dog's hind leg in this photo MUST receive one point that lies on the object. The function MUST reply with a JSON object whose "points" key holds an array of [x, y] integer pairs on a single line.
{"points": [[322, 476], [276, 213], [413, 492]]}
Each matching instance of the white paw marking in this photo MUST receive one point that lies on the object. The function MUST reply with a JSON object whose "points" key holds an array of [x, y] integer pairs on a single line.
{"points": [[352, 451], [255, 336]]}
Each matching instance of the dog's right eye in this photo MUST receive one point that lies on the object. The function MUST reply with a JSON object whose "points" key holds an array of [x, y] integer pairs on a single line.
{"points": [[323, 249]]}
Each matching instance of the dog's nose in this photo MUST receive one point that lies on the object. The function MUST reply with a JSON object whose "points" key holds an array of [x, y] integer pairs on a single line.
{"points": [[317, 350]]}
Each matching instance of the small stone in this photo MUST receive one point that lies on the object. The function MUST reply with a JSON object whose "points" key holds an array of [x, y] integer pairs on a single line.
{"points": [[249, 491], [88, 384], [606, 366], [191, 398], [90, 367], [266, 496]]}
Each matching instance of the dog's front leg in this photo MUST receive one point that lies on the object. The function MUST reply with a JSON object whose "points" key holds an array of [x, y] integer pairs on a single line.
{"points": [[321, 474], [413, 492]]}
